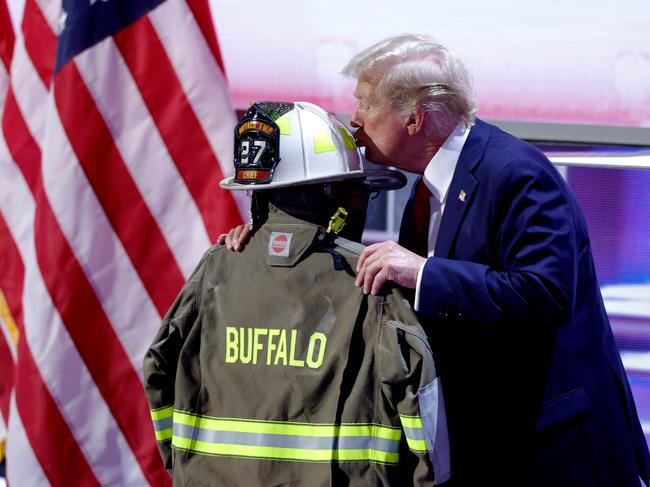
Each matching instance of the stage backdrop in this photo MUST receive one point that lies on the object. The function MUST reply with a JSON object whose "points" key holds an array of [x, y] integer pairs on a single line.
{"points": [[584, 61]]}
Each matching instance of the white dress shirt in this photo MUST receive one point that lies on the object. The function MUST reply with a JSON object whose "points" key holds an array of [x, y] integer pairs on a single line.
{"points": [[437, 178]]}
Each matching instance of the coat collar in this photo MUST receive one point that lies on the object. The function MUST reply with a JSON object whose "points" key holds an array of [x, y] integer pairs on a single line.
{"points": [[463, 187], [284, 239]]}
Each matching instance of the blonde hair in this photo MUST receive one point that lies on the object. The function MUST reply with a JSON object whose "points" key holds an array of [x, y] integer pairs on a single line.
{"points": [[416, 72]]}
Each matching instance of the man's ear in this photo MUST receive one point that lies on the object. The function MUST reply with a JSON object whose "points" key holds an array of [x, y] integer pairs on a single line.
{"points": [[415, 122]]}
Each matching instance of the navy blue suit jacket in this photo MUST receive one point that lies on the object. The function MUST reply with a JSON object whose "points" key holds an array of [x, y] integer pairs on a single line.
{"points": [[535, 389]]}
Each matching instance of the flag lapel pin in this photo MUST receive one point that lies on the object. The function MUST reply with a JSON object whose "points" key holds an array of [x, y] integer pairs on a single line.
{"points": [[462, 195]]}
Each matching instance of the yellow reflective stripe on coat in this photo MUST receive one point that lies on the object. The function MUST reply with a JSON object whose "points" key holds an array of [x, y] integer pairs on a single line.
{"points": [[287, 428], [305, 442], [414, 432], [163, 422]]}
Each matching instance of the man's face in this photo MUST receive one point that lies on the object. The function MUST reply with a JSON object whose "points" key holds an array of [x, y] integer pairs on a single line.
{"points": [[379, 129]]}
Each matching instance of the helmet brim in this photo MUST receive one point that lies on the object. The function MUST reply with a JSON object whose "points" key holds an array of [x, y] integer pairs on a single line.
{"points": [[374, 179]]}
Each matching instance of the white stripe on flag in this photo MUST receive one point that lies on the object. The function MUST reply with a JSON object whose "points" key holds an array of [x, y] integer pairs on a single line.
{"points": [[95, 245], [203, 82], [144, 152], [31, 94], [28, 470], [75, 392]]}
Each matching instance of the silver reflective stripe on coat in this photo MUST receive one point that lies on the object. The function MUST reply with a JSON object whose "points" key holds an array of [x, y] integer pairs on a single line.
{"points": [[307, 442], [287, 441]]}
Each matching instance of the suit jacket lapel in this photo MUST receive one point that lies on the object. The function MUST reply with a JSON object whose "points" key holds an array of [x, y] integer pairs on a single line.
{"points": [[462, 188]]}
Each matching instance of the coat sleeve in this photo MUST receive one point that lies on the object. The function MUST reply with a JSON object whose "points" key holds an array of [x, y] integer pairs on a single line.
{"points": [[161, 359], [535, 244], [410, 384]]}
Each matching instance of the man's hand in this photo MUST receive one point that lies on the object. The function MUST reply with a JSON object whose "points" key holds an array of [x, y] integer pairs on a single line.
{"points": [[236, 238], [387, 261]]}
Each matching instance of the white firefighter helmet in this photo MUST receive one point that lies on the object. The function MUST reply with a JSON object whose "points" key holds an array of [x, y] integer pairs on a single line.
{"points": [[279, 144]]}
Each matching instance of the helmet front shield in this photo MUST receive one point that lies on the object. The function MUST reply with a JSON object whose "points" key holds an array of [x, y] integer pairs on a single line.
{"points": [[257, 142]]}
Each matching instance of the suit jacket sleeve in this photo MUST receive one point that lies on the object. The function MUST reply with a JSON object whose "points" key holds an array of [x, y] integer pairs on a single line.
{"points": [[534, 246], [161, 360]]}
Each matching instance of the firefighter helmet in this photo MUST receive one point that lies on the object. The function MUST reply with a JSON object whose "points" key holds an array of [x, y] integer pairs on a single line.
{"points": [[279, 144]]}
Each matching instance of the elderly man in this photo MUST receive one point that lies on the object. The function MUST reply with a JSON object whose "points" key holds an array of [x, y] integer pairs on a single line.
{"points": [[535, 389], [497, 253]]}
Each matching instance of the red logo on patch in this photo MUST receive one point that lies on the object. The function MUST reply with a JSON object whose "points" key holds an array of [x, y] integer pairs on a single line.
{"points": [[279, 244]]}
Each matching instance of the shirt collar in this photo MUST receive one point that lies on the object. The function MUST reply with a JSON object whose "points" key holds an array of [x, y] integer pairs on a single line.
{"points": [[440, 170]]}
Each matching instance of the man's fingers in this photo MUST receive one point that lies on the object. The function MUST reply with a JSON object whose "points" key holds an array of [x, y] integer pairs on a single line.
{"points": [[221, 239], [387, 261], [378, 281], [372, 268], [229, 239], [361, 268], [359, 279], [236, 238], [369, 255], [241, 237], [367, 252]]}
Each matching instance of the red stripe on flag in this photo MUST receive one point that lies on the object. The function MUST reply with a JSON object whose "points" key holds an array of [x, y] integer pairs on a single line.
{"points": [[22, 145], [115, 189], [170, 109], [6, 36], [52, 442], [7, 377], [40, 41], [99, 348], [203, 16]]}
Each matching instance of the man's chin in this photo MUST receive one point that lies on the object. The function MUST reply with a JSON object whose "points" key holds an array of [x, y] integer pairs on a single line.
{"points": [[375, 158], [368, 154]]}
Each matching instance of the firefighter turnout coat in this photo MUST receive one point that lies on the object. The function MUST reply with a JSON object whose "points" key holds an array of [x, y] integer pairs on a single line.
{"points": [[271, 368]]}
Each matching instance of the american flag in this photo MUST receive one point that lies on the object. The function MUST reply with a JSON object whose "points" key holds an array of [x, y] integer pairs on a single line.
{"points": [[116, 129], [8, 330]]}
